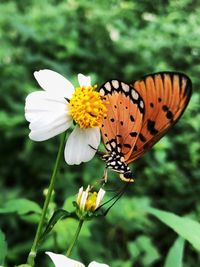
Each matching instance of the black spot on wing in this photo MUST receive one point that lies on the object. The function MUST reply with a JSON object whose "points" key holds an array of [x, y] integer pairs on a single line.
{"points": [[127, 145], [169, 114], [133, 134], [142, 137], [132, 118], [151, 127], [165, 108]]}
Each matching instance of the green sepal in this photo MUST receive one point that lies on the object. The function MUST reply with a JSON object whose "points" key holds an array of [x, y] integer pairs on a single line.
{"points": [[87, 214]]}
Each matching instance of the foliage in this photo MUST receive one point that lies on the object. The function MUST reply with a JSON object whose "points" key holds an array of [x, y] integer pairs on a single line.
{"points": [[106, 39], [175, 254], [3, 248], [185, 227]]}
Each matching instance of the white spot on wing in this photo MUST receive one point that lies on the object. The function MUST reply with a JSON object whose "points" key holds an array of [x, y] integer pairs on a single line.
{"points": [[113, 144], [107, 86], [108, 146], [125, 87], [134, 94], [102, 92], [115, 84], [118, 149], [122, 159], [141, 104]]}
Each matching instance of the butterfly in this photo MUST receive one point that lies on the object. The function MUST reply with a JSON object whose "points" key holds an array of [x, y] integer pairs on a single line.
{"points": [[139, 114]]}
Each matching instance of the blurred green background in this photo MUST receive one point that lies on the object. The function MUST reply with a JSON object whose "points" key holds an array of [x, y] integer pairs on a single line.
{"points": [[104, 39]]}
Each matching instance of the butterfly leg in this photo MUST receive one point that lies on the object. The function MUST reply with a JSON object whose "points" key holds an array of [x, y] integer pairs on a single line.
{"points": [[105, 176]]}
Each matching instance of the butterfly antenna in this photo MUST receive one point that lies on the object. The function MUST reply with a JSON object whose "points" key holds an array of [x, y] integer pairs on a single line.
{"points": [[116, 197], [99, 153]]}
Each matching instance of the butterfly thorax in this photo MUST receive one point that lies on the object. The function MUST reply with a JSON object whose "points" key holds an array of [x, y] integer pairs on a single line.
{"points": [[115, 161]]}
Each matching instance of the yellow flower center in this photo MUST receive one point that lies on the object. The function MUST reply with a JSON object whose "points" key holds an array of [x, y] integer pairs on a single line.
{"points": [[91, 201], [87, 107]]}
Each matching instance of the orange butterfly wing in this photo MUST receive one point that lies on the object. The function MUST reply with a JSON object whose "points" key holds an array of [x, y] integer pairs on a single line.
{"points": [[166, 95], [121, 126]]}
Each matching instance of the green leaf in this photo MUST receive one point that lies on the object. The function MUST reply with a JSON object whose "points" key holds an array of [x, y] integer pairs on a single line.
{"points": [[3, 248], [31, 218], [175, 254], [143, 247], [58, 215], [21, 206], [185, 227]]}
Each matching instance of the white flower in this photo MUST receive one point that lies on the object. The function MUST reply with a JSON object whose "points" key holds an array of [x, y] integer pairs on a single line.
{"points": [[63, 261], [52, 111], [89, 201]]}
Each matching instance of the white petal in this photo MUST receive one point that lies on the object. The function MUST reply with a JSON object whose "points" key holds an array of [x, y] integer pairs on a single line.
{"points": [[83, 200], [54, 82], [78, 148], [84, 80], [96, 264], [41, 132], [100, 196], [63, 261], [80, 192], [40, 102], [48, 115]]}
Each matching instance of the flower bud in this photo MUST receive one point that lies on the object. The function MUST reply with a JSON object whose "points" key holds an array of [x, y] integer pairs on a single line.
{"points": [[88, 201]]}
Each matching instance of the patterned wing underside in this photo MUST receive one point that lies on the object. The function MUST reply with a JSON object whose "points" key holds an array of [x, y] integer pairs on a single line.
{"points": [[122, 125], [166, 96]]}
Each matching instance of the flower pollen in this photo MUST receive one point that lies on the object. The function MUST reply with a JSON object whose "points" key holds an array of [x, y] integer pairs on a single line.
{"points": [[86, 107], [91, 201]]}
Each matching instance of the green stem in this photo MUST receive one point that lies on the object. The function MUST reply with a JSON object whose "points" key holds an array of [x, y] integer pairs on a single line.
{"points": [[74, 240], [32, 254]]}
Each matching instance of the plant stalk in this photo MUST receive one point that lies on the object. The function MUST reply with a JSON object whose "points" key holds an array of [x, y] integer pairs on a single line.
{"points": [[74, 240], [33, 252]]}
